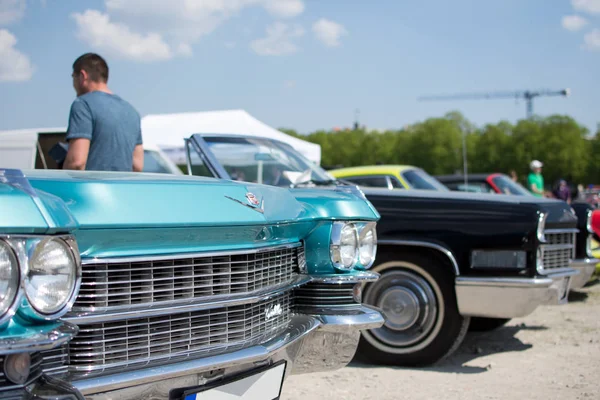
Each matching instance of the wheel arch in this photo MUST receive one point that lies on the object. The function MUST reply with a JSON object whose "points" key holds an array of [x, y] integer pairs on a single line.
{"points": [[422, 247]]}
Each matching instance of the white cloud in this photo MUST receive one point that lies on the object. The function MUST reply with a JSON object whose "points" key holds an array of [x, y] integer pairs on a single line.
{"points": [[158, 29], [189, 20], [11, 11], [278, 41], [96, 29], [329, 32], [289, 84], [588, 6], [591, 40], [573, 22], [14, 65], [284, 8], [230, 45], [184, 49]]}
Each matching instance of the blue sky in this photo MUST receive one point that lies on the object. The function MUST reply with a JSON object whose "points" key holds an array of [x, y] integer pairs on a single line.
{"points": [[303, 64]]}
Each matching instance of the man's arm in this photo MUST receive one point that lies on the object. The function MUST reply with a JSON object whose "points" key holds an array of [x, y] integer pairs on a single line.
{"points": [[77, 154], [138, 158], [79, 135]]}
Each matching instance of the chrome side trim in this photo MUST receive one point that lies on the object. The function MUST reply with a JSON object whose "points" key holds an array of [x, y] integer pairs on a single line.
{"points": [[38, 338], [116, 260], [301, 326], [362, 276], [434, 246], [194, 305], [504, 282]]}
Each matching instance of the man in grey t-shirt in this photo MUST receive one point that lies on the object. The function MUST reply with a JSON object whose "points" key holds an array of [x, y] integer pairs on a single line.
{"points": [[104, 130]]}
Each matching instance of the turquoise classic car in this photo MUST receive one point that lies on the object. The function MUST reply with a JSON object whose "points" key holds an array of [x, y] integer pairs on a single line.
{"points": [[175, 286]]}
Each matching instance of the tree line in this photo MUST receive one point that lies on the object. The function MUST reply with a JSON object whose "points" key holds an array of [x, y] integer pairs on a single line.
{"points": [[564, 146]]}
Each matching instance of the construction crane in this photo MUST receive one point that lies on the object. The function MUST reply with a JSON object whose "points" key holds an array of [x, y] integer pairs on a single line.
{"points": [[527, 95]]}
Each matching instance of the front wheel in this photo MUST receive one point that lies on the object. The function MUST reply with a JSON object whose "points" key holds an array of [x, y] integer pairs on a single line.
{"points": [[422, 325]]}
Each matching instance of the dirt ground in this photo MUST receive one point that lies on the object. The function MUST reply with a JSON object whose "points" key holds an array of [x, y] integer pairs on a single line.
{"points": [[553, 353]]}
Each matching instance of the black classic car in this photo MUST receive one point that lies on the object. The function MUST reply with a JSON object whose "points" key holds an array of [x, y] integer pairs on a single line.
{"points": [[584, 260], [443, 257]]}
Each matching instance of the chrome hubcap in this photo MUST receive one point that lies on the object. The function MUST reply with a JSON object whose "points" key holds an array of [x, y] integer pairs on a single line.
{"points": [[409, 305]]}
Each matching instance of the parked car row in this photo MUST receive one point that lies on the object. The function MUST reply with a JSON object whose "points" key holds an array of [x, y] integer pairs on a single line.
{"points": [[167, 286]]}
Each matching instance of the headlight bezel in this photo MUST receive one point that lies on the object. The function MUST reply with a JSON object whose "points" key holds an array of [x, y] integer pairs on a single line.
{"points": [[71, 247], [24, 246], [588, 221], [11, 310], [541, 237], [335, 245], [361, 230]]}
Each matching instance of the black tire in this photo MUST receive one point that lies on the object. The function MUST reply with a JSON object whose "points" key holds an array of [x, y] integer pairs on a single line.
{"points": [[481, 324], [422, 329]]}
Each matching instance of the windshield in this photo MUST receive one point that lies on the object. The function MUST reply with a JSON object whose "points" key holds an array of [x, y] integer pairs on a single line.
{"points": [[153, 162], [508, 186], [419, 179], [264, 161]]}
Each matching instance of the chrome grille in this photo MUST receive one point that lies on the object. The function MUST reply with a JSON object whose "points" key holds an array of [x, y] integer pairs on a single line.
{"points": [[323, 295], [54, 361], [138, 341], [114, 284], [559, 249]]}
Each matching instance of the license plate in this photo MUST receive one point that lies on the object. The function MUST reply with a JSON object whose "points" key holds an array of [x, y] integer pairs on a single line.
{"points": [[262, 384]]}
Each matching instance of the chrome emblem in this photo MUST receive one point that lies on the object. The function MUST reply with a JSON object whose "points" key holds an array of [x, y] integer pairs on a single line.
{"points": [[252, 199], [273, 311], [252, 202]]}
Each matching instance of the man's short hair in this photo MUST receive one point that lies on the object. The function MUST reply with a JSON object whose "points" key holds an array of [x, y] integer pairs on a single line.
{"points": [[94, 65]]}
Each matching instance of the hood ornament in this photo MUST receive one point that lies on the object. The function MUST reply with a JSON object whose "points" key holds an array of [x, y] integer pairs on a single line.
{"points": [[253, 202]]}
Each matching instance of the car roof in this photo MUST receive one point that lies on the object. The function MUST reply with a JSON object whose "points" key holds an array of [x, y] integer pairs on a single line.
{"points": [[370, 170]]}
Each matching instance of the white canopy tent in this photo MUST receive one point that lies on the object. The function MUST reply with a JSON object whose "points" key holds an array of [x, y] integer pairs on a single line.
{"points": [[168, 131]]}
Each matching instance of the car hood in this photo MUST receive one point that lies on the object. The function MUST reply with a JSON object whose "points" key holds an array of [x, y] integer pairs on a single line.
{"points": [[558, 211], [99, 200]]}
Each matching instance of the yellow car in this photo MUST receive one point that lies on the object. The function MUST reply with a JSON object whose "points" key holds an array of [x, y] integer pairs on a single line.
{"points": [[390, 177]]}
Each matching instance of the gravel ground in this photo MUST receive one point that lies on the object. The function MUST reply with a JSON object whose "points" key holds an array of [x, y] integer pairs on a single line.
{"points": [[553, 353]]}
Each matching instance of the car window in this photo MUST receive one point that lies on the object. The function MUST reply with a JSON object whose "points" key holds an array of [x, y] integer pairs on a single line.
{"points": [[507, 186], [263, 161], [419, 179], [198, 166], [473, 187], [396, 183], [368, 181]]}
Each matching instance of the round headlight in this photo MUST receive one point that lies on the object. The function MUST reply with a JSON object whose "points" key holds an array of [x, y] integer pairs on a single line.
{"points": [[52, 276], [367, 245], [344, 245], [9, 280]]}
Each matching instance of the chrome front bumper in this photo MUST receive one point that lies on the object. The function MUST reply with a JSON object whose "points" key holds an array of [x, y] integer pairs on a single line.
{"points": [[309, 344], [511, 297], [586, 268]]}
